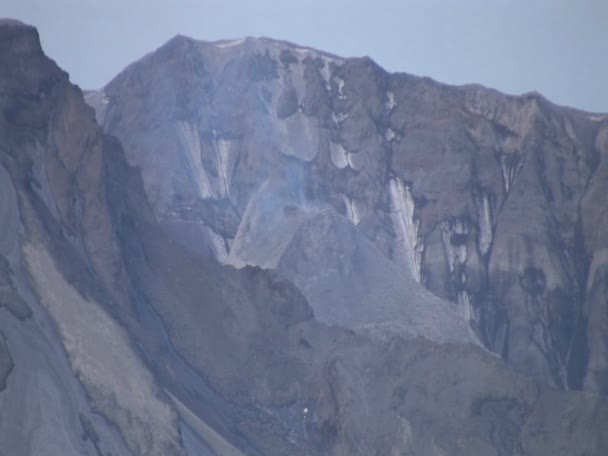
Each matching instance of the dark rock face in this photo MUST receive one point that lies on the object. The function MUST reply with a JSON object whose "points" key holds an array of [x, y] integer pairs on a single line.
{"points": [[121, 333]]}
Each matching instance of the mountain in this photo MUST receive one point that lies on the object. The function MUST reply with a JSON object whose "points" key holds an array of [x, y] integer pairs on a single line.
{"points": [[492, 202], [248, 247]]}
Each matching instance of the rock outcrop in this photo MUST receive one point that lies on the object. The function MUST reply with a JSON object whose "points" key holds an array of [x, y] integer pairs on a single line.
{"points": [[491, 202], [168, 290]]}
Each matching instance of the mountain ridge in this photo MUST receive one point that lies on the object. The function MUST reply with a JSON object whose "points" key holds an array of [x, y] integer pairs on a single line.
{"points": [[252, 39], [298, 105], [123, 330]]}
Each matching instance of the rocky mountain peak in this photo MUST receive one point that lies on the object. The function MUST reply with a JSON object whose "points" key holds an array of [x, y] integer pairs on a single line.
{"points": [[264, 249], [439, 179]]}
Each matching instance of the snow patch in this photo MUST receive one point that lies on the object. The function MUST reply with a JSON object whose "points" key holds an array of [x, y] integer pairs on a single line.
{"points": [[390, 101], [484, 215], [338, 118], [355, 209], [406, 226], [389, 135], [223, 152], [353, 158], [192, 143], [226, 159], [338, 155], [340, 84], [303, 51], [509, 168], [228, 44]]}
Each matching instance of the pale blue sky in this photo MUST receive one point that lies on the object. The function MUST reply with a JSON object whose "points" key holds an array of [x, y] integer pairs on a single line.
{"points": [[557, 47]]}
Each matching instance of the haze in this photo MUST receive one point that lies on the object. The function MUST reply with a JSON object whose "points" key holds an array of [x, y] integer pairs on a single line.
{"points": [[556, 47]]}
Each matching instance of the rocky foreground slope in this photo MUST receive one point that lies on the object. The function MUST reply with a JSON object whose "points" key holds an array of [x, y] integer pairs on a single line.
{"points": [[241, 267]]}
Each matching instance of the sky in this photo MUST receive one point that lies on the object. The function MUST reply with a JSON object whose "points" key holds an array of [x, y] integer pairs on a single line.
{"points": [[556, 47]]}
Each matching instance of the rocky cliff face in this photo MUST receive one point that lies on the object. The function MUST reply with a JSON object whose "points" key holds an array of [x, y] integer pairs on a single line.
{"points": [[491, 202], [242, 270]]}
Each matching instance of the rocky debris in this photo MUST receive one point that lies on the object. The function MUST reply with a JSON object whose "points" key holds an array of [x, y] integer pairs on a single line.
{"points": [[332, 262]]}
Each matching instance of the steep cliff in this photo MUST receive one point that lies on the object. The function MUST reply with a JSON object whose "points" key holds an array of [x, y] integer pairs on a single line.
{"points": [[122, 334], [492, 202]]}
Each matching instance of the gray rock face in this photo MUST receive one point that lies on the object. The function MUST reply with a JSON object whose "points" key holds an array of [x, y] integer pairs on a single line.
{"points": [[491, 202], [254, 284], [69, 357]]}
